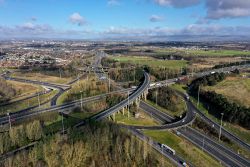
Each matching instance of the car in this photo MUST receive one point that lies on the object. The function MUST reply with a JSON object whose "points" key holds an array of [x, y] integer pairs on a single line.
{"points": [[158, 84], [183, 163]]}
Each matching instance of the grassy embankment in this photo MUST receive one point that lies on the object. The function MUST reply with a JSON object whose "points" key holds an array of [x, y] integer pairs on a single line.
{"points": [[41, 77], [183, 148], [27, 103], [24, 89], [130, 119]]}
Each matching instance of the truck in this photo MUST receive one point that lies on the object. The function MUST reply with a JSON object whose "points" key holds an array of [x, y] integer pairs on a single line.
{"points": [[212, 72], [152, 84], [167, 148], [186, 96]]}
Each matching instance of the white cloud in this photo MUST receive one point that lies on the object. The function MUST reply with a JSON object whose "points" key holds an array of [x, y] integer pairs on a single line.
{"points": [[33, 18], [76, 18], [113, 2], [217, 9], [31, 30], [177, 3], [156, 18], [192, 29]]}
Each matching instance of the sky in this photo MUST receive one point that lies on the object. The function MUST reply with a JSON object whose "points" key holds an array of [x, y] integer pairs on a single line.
{"points": [[92, 19]]}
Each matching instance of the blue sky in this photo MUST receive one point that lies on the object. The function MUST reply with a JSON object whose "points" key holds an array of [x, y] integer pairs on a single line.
{"points": [[86, 19]]}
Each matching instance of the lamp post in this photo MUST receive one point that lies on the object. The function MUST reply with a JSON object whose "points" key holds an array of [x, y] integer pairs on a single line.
{"points": [[128, 104], [81, 99], [198, 96], [8, 114], [221, 125], [39, 99], [62, 123], [156, 94]]}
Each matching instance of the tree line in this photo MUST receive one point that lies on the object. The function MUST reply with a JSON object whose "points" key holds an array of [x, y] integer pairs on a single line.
{"points": [[19, 136], [96, 144], [233, 112], [231, 64]]}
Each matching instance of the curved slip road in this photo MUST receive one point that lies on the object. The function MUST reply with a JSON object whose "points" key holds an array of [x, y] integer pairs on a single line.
{"points": [[217, 150]]}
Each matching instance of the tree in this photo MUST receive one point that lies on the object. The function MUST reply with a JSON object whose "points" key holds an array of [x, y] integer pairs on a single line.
{"points": [[34, 131], [18, 136]]}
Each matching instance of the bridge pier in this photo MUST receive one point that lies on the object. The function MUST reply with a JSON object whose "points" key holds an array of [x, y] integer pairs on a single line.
{"points": [[137, 102], [123, 110], [128, 112]]}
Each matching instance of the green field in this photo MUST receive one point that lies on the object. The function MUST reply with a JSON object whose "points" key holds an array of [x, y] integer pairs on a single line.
{"points": [[222, 53], [152, 62], [183, 148], [179, 87], [235, 89]]}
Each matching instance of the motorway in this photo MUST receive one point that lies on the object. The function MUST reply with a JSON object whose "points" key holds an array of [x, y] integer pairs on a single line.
{"points": [[158, 84], [177, 160], [224, 132], [186, 120], [217, 150]]}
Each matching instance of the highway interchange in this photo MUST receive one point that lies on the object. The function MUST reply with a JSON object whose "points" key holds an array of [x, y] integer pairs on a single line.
{"points": [[223, 154]]}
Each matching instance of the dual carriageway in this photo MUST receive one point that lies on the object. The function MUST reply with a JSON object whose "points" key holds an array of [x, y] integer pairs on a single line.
{"points": [[229, 158]]}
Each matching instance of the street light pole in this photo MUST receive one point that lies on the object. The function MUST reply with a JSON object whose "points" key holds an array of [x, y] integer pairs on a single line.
{"points": [[39, 99], [203, 142], [156, 96], [198, 96], [81, 99], [62, 123], [128, 103], [134, 75], [221, 125], [109, 84], [9, 119]]}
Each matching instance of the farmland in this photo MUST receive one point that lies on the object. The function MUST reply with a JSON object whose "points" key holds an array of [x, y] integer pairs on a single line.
{"points": [[152, 62], [216, 53]]}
